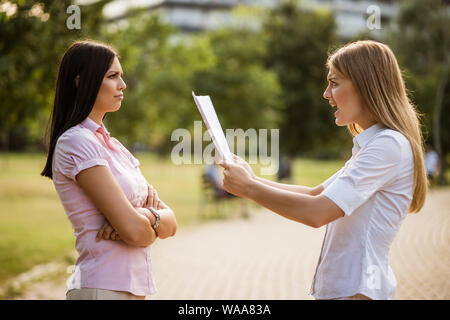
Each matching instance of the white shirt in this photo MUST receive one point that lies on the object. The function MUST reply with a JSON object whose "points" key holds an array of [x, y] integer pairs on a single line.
{"points": [[374, 189]]}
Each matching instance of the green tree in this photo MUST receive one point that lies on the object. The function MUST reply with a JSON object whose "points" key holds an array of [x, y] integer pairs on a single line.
{"points": [[421, 42], [244, 92], [159, 73], [33, 36], [141, 45], [299, 40], [172, 84], [161, 69]]}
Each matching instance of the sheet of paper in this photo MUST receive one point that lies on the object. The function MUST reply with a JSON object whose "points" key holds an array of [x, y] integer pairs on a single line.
{"points": [[209, 116]]}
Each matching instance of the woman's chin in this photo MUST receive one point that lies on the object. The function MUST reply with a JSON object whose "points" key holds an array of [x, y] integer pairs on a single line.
{"points": [[116, 107], [340, 123]]}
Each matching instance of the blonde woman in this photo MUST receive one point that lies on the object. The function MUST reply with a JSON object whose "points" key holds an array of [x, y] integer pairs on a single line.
{"points": [[363, 204]]}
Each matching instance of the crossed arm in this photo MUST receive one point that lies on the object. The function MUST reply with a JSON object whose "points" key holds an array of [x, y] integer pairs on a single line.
{"points": [[133, 226]]}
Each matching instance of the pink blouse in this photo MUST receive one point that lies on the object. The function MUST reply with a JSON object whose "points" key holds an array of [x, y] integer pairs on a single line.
{"points": [[107, 264]]}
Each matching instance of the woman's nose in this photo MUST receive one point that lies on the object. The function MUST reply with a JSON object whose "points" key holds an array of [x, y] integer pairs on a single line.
{"points": [[326, 93], [122, 84]]}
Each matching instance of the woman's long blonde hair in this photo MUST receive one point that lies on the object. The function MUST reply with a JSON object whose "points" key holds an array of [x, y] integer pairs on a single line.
{"points": [[374, 71]]}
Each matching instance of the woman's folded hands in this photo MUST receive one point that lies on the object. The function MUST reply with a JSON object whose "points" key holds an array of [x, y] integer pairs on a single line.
{"points": [[168, 222]]}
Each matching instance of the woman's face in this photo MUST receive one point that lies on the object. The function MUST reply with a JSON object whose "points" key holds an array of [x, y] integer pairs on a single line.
{"points": [[110, 95], [341, 94]]}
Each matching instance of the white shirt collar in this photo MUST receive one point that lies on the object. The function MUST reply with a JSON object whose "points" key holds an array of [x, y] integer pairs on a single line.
{"points": [[361, 140]]}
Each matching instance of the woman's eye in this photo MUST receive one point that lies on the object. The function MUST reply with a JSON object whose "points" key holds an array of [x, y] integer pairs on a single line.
{"points": [[112, 76]]}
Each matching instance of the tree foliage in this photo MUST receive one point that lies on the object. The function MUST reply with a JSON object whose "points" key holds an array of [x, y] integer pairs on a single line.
{"points": [[298, 43], [32, 39], [245, 94], [269, 77], [421, 41]]}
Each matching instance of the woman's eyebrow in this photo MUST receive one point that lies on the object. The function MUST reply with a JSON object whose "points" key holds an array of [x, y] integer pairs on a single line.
{"points": [[114, 71], [332, 78]]}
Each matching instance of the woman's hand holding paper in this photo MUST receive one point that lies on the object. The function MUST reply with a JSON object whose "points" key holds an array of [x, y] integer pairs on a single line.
{"points": [[238, 177], [243, 163]]}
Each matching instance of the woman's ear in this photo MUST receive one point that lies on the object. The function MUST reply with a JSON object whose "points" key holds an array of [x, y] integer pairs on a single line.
{"points": [[77, 81]]}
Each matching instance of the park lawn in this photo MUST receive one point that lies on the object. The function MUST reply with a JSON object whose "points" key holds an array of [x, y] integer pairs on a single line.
{"points": [[34, 228]]}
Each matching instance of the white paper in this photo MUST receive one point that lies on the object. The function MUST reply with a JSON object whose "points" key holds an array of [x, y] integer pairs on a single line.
{"points": [[209, 116]]}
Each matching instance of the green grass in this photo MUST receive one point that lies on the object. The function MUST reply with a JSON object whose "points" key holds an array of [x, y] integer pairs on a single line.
{"points": [[34, 228], [313, 172]]}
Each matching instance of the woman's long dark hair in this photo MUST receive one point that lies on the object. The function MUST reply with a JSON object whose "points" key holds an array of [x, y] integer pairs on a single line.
{"points": [[89, 60]]}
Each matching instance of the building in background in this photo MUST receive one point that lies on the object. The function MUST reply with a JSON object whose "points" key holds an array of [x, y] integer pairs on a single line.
{"points": [[352, 16]]}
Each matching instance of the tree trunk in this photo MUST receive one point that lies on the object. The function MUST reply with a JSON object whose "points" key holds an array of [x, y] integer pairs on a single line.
{"points": [[440, 99], [437, 120]]}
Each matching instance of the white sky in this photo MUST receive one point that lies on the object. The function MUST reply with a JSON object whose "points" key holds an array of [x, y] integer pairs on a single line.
{"points": [[119, 7]]}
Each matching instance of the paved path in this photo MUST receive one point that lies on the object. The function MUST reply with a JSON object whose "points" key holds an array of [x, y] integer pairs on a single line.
{"points": [[269, 257]]}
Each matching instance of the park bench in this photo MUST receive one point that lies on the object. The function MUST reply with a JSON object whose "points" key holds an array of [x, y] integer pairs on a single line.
{"points": [[221, 200]]}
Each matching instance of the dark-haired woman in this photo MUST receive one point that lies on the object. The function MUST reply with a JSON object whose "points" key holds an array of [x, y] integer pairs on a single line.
{"points": [[116, 215]]}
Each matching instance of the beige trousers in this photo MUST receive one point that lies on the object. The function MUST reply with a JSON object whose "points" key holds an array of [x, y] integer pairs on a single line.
{"points": [[100, 294], [357, 296]]}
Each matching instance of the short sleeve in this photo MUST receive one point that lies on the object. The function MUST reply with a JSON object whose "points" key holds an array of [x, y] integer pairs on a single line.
{"points": [[375, 166], [327, 182], [76, 152]]}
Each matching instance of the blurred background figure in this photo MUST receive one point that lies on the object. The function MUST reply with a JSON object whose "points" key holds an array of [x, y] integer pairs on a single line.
{"points": [[212, 179], [211, 173], [431, 163], [284, 170]]}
